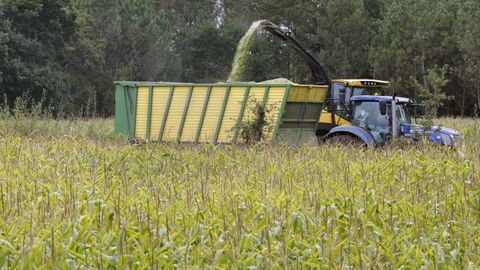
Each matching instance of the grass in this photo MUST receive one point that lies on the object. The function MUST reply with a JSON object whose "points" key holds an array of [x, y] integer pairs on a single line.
{"points": [[74, 195]]}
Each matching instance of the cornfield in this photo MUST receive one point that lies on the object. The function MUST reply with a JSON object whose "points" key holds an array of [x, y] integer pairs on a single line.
{"points": [[75, 196]]}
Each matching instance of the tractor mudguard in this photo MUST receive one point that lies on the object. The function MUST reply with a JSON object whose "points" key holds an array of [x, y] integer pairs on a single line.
{"points": [[443, 136], [354, 131]]}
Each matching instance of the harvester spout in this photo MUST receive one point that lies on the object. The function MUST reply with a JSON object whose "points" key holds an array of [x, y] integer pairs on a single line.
{"points": [[318, 72]]}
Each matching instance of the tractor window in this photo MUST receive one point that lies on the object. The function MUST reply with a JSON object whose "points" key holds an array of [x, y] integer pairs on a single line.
{"points": [[367, 115], [342, 93], [338, 90], [403, 115], [366, 91], [340, 100]]}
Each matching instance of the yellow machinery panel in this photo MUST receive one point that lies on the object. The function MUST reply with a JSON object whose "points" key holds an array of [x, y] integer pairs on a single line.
{"points": [[212, 114], [257, 93], [142, 107], [194, 113], [274, 100], [159, 102], [231, 114], [174, 114], [313, 94]]}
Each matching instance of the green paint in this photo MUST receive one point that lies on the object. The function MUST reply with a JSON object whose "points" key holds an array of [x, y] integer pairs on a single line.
{"points": [[121, 120], [220, 117], [202, 117], [281, 113], [240, 116], [133, 93], [301, 119], [127, 112], [184, 116], [149, 112], [297, 120], [302, 114], [165, 114], [131, 109], [295, 135], [265, 96]]}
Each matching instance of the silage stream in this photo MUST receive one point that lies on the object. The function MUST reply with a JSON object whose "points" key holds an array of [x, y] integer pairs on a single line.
{"points": [[241, 55]]}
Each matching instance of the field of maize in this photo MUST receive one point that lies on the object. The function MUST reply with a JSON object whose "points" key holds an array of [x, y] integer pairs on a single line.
{"points": [[75, 196]]}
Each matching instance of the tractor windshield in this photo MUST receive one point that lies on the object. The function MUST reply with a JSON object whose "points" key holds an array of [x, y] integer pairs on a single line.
{"points": [[366, 91], [367, 114], [403, 114]]}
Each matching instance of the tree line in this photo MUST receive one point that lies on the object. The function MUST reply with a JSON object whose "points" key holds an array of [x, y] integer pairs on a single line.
{"points": [[69, 52]]}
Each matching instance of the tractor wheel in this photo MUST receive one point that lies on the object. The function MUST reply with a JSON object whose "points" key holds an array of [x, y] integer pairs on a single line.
{"points": [[343, 139]]}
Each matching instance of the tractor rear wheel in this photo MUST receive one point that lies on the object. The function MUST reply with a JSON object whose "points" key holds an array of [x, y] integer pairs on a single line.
{"points": [[344, 139]]}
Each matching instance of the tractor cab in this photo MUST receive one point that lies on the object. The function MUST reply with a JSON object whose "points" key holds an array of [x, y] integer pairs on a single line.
{"points": [[338, 106], [341, 92], [374, 114]]}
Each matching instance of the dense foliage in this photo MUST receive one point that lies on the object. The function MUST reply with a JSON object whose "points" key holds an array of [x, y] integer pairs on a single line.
{"points": [[71, 50]]}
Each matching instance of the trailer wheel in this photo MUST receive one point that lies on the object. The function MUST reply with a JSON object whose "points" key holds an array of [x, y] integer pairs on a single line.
{"points": [[344, 139]]}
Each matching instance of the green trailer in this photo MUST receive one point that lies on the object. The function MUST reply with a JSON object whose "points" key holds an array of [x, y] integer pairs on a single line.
{"points": [[212, 113]]}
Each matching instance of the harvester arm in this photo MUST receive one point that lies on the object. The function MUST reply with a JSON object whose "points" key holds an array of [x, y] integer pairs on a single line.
{"points": [[318, 72]]}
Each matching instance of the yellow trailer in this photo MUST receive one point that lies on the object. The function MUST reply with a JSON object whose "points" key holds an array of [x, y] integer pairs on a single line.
{"points": [[213, 113]]}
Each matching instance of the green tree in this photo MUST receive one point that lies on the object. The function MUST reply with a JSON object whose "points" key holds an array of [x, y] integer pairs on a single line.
{"points": [[412, 37], [204, 40], [117, 40], [33, 35], [467, 29], [343, 38], [206, 53], [432, 90]]}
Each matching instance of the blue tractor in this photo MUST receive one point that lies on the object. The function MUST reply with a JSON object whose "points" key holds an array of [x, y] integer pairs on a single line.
{"points": [[375, 120]]}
